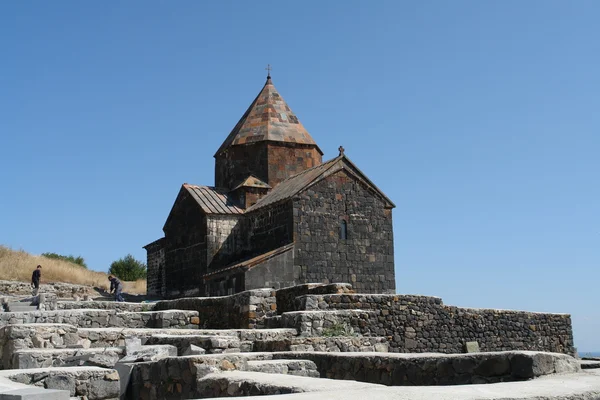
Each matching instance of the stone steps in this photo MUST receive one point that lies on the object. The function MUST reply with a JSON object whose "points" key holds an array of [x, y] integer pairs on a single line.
{"points": [[92, 382], [95, 318], [328, 344], [285, 367], [589, 364], [330, 322], [21, 306], [67, 357], [244, 383], [211, 344]]}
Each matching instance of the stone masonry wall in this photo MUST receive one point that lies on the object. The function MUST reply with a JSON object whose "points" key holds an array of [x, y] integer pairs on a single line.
{"points": [[104, 305], [239, 311], [185, 248], [276, 272], [238, 162], [155, 278], [87, 318], [270, 228], [286, 160], [223, 240], [366, 257], [420, 324], [61, 290]]}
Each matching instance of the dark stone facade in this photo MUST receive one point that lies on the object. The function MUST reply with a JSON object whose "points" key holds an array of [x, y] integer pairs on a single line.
{"points": [[277, 216], [365, 257], [185, 248]]}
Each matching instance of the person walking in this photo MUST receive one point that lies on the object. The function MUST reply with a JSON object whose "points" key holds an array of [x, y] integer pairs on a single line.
{"points": [[35, 280], [116, 286]]}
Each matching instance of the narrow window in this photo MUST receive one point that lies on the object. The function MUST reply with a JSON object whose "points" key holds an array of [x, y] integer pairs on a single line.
{"points": [[344, 230]]}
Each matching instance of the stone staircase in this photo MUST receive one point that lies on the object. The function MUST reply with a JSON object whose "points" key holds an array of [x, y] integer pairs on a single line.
{"points": [[19, 306]]}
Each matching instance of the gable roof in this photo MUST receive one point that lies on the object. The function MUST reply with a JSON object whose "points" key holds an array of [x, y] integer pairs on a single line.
{"points": [[299, 182], [268, 118], [213, 200], [252, 181]]}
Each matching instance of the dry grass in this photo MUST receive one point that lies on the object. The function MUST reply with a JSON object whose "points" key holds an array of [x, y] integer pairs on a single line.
{"points": [[18, 266]]}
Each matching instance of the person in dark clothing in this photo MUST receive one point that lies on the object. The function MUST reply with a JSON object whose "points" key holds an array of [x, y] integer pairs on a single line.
{"points": [[116, 286], [35, 279]]}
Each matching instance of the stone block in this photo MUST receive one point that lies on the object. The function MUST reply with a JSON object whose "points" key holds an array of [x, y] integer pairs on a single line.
{"points": [[132, 344], [61, 382], [193, 350], [150, 353], [34, 393], [471, 347]]}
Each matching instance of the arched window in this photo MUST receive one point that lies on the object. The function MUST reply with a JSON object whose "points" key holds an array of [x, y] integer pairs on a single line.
{"points": [[344, 230]]}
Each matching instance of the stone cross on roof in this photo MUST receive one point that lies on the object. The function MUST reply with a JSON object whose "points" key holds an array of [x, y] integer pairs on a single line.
{"points": [[341, 149]]}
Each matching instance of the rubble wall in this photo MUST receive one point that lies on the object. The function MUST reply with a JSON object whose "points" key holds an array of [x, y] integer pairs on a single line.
{"points": [[239, 311], [420, 324]]}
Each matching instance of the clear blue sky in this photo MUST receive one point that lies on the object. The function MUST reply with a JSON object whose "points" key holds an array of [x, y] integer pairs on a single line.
{"points": [[480, 120]]}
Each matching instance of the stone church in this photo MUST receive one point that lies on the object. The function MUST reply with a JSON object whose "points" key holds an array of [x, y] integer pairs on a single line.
{"points": [[277, 216]]}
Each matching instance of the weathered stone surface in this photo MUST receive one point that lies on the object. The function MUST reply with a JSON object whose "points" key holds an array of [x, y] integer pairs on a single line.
{"points": [[86, 381], [435, 368], [193, 350], [61, 382], [423, 324], [243, 310], [150, 353], [471, 347], [97, 318]]}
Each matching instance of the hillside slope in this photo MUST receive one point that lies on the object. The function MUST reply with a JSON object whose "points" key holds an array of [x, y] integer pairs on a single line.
{"points": [[18, 266]]}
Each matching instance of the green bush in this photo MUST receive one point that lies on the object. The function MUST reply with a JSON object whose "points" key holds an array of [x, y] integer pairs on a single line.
{"points": [[339, 329], [75, 260], [128, 269]]}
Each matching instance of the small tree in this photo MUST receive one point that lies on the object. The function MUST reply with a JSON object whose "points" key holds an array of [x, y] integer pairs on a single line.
{"points": [[128, 268]]}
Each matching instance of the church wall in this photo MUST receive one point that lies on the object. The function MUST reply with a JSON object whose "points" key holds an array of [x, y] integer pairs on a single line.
{"points": [[223, 239], [269, 228], [289, 159], [155, 277], [238, 162], [366, 257], [276, 273], [185, 248]]}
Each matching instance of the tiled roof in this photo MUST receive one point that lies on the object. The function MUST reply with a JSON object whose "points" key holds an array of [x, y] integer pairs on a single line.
{"points": [[213, 200], [297, 183], [253, 181], [268, 118]]}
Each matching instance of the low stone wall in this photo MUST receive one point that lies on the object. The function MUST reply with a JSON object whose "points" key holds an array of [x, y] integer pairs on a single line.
{"points": [[84, 382], [319, 323], [104, 305], [242, 310], [108, 337], [328, 344], [46, 358], [286, 297], [437, 369], [35, 336], [61, 290], [423, 324], [211, 344], [177, 377], [87, 318]]}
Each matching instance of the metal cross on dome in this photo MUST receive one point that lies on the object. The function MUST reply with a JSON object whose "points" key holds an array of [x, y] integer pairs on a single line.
{"points": [[268, 70]]}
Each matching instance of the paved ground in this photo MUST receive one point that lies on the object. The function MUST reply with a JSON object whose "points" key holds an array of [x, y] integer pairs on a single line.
{"points": [[579, 386]]}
